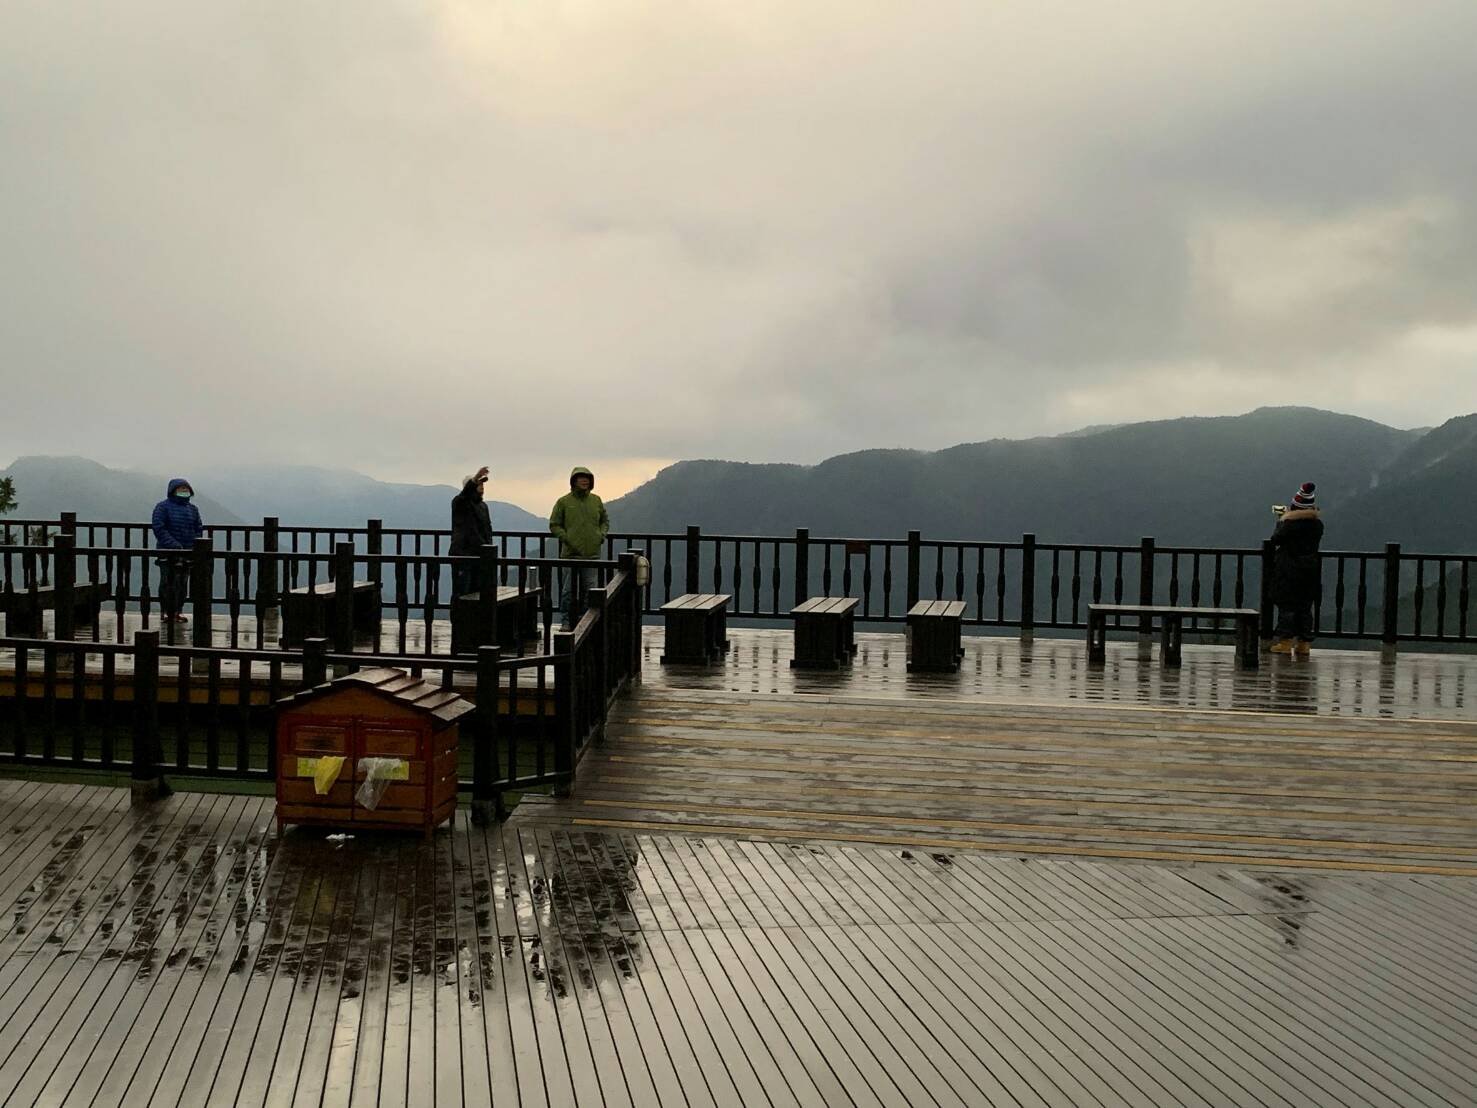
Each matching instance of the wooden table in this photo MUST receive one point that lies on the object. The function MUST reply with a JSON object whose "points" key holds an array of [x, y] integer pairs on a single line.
{"points": [[697, 628], [935, 636], [825, 632]]}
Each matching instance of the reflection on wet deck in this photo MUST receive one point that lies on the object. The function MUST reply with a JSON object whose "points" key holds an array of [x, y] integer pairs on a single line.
{"points": [[1055, 671], [1334, 763], [183, 954]]}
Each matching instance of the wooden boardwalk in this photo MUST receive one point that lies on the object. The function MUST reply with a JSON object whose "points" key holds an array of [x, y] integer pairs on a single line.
{"points": [[998, 668], [182, 954], [1049, 673], [1129, 763]]}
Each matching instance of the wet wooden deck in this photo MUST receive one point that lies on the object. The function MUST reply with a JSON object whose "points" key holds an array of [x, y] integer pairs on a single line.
{"points": [[1050, 672], [182, 954], [1334, 763], [997, 667]]}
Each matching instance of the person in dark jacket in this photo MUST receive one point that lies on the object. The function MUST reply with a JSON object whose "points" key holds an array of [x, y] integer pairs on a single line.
{"points": [[1296, 580], [471, 529], [176, 527], [580, 522]]}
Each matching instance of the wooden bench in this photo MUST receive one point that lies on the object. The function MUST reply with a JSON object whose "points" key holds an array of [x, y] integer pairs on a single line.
{"points": [[23, 609], [517, 619], [1171, 629], [825, 636], [307, 612], [935, 636], [697, 628]]}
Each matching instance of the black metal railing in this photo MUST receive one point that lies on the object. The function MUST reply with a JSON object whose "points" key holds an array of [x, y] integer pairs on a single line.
{"points": [[1387, 596], [149, 708], [413, 593]]}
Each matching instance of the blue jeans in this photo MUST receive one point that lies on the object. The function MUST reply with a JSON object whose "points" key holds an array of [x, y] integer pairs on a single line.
{"points": [[574, 587]]}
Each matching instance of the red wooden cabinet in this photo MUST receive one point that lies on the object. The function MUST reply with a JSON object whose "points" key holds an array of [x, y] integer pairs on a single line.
{"points": [[374, 714]]}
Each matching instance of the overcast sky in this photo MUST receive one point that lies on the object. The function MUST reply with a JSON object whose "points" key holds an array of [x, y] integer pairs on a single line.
{"points": [[411, 237]]}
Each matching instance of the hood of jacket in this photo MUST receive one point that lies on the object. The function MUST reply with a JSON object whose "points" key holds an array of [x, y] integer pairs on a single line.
{"points": [[472, 487], [174, 484], [581, 471]]}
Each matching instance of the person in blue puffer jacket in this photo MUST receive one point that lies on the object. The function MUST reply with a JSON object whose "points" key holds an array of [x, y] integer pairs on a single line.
{"points": [[176, 527]]}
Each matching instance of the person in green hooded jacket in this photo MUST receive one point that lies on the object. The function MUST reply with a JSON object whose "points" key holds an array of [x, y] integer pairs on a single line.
{"points": [[580, 523]]}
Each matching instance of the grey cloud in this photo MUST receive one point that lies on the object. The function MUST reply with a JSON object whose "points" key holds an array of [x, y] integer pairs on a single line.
{"points": [[760, 232]]}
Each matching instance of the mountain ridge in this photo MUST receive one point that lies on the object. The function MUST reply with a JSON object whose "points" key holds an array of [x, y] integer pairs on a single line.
{"points": [[1194, 481], [1190, 481], [47, 485]]}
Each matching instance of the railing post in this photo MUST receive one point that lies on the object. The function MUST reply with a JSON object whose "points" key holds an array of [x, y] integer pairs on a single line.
{"points": [[267, 586], [915, 566], [147, 779], [343, 598], [632, 645], [68, 524], [202, 589], [315, 663], [802, 565], [694, 550], [1390, 637], [374, 547], [599, 604], [64, 579], [1265, 605], [565, 700], [1028, 587], [487, 799], [1146, 592], [486, 594]]}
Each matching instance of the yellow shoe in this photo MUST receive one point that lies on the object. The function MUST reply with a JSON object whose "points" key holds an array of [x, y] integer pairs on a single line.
{"points": [[1303, 650], [1282, 646]]}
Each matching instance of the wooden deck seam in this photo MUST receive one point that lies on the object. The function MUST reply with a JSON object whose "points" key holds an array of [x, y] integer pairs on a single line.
{"points": [[1066, 831], [744, 832]]}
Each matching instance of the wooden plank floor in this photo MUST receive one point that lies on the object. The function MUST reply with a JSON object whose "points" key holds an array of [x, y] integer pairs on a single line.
{"points": [[997, 668], [1055, 672], [1128, 763], [183, 954]]}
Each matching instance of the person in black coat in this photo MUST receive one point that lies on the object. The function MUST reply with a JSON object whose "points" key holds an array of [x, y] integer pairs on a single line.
{"points": [[1296, 580], [471, 529]]}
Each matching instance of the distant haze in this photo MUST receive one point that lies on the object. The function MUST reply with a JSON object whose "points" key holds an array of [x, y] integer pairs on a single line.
{"points": [[409, 238]]}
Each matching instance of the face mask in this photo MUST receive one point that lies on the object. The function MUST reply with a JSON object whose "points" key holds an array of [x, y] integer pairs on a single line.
{"points": [[182, 494]]}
